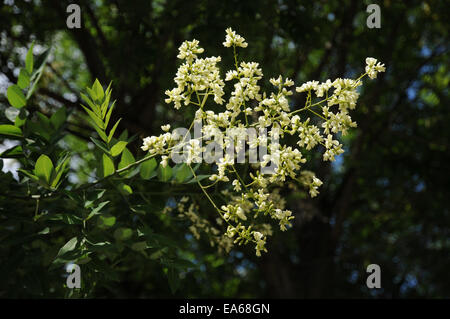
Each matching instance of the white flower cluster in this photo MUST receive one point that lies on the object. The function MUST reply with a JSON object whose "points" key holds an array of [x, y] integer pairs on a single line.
{"points": [[157, 144], [233, 39], [372, 67], [248, 197], [195, 76], [200, 224]]}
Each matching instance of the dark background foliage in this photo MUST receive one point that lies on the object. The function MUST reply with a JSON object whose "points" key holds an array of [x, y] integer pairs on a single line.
{"points": [[385, 201]]}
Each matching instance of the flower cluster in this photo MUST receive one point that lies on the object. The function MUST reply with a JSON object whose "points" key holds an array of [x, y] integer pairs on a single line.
{"points": [[233, 39], [373, 67], [250, 199]]}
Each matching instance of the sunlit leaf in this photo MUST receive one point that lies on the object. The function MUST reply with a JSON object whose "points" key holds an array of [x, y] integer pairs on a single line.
{"points": [[108, 166], [118, 148], [44, 168], [7, 129], [147, 168], [15, 96]]}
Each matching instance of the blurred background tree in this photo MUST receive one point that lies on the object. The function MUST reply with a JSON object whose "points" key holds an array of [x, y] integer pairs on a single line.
{"points": [[385, 201]]}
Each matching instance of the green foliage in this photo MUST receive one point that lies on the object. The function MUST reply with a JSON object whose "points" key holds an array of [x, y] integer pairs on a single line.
{"points": [[44, 169], [10, 130], [16, 97], [147, 168]]}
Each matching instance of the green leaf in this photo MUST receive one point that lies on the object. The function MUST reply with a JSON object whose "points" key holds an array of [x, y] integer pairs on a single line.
{"points": [[124, 136], [10, 130], [101, 193], [125, 189], [98, 89], [39, 129], [108, 115], [45, 231], [106, 220], [100, 246], [126, 159], [159, 253], [105, 104], [101, 145], [174, 279], [164, 173], [29, 60], [139, 246], [15, 96], [123, 233], [96, 210], [58, 118], [108, 166], [24, 79], [59, 171], [28, 174], [100, 132], [21, 118], [69, 246], [44, 168], [92, 94], [183, 173], [118, 148], [91, 104], [111, 133], [35, 76], [94, 117], [44, 121], [13, 152], [147, 168], [68, 219], [84, 259]]}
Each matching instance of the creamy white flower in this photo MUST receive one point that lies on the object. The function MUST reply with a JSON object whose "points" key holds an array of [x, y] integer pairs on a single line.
{"points": [[237, 185], [189, 50], [372, 67], [199, 84], [308, 86], [233, 39]]}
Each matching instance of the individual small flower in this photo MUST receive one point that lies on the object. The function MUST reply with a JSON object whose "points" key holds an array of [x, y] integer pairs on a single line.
{"points": [[231, 231], [276, 82], [175, 96], [233, 39], [237, 185], [240, 213], [165, 128], [323, 87], [313, 188], [164, 160], [260, 243], [232, 74]]}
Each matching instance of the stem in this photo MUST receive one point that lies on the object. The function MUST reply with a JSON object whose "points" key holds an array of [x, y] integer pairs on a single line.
{"points": [[209, 197], [239, 177]]}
